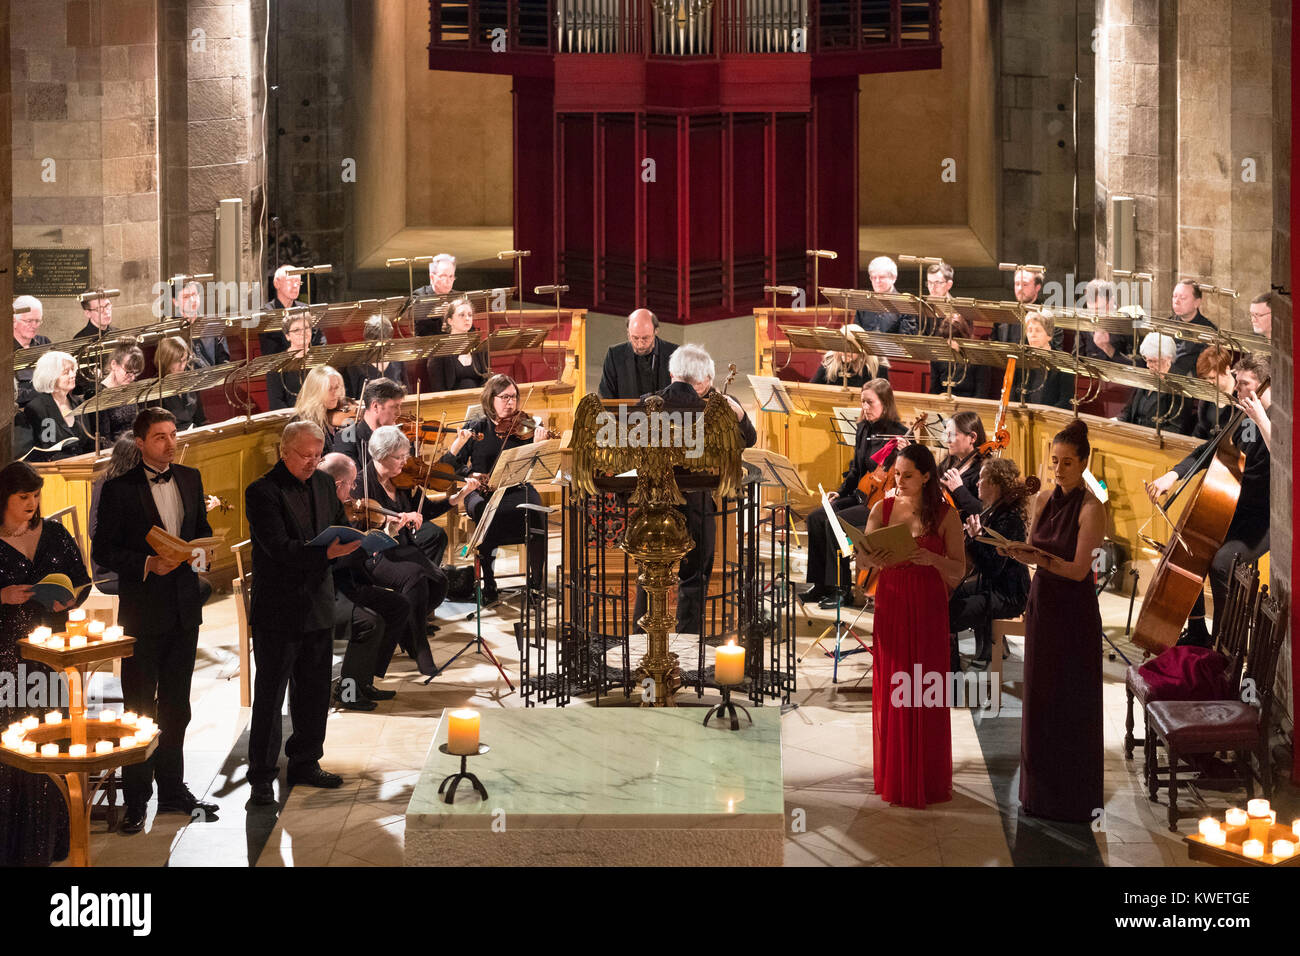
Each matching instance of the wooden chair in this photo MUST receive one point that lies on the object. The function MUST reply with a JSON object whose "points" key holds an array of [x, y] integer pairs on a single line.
{"points": [[1234, 626], [1001, 629], [241, 584], [1189, 728]]}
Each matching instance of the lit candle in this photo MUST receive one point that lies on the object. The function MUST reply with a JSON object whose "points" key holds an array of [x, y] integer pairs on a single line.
{"points": [[55, 643], [50, 750], [27, 748], [1236, 817], [104, 747], [1295, 827], [729, 668], [41, 635], [54, 717], [129, 718], [113, 633], [76, 750], [10, 741], [30, 723], [1208, 825], [108, 716], [1217, 838], [145, 732], [77, 640], [1253, 849], [462, 731], [95, 630], [127, 741], [1257, 808], [77, 622], [1283, 849], [16, 727]]}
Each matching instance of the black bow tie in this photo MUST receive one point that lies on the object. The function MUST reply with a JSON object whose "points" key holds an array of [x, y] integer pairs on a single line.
{"points": [[159, 477]]}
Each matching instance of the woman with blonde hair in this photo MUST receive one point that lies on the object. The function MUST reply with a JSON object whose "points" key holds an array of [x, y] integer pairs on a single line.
{"points": [[850, 369], [322, 393]]}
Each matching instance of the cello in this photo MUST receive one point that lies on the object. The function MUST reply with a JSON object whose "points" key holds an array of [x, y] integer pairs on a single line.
{"points": [[1198, 534]]}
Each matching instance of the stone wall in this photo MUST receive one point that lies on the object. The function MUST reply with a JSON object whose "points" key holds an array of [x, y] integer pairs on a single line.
{"points": [[1039, 40], [6, 238]]}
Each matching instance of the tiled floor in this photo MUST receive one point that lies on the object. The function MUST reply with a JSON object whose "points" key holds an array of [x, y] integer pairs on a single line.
{"points": [[834, 819]]}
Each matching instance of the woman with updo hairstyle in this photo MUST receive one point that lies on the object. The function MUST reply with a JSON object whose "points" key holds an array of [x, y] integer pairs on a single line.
{"points": [[995, 587], [1061, 727], [959, 472], [449, 373], [912, 736]]}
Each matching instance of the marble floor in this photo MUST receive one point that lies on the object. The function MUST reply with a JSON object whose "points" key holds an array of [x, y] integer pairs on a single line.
{"points": [[834, 819]]}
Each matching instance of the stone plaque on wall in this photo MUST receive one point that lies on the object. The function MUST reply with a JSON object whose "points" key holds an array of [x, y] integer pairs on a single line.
{"points": [[51, 273]]}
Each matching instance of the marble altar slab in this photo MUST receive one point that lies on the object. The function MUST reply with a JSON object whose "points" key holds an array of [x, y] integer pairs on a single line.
{"points": [[606, 786]]}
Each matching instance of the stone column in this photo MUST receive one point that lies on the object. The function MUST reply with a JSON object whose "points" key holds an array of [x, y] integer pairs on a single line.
{"points": [[6, 241]]}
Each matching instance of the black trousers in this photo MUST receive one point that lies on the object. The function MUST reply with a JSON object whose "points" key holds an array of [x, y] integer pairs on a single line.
{"points": [[1247, 536], [302, 664], [696, 567], [970, 606], [373, 625], [825, 566], [156, 682], [511, 525], [432, 540], [408, 571]]}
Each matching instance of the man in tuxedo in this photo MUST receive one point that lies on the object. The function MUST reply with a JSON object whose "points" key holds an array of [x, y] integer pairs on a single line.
{"points": [[1186, 303], [381, 401], [442, 277], [292, 615], [160, 606], [25, 337], [692, 372], [286, 297], [883, 273], [638, 366], [376, 615]]}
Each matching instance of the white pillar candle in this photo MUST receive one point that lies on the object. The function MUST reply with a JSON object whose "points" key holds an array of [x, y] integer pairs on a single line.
{"points": [[54, 717], [1283, 849], [1253, 849], [462, 731], [729, 667], [1295, 827], [55, 643], [95, 630], [127, 741], [1217, 838], [113, 633], [1257, 808], [77, 640], [50, 750], [27, 748], [76, 750], [16, 727], [41, 635], [104, 747], [108, 716], [1236, 817], [10, 741], [30, 723], [129, 718], [1208, 825]]}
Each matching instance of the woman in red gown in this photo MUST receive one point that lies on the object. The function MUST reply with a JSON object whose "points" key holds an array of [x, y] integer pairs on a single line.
{"points": [[1061, 746], [911, 730]]}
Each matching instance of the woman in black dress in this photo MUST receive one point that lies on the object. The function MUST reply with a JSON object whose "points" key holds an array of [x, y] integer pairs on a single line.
{"points": [[173, 357], [282, 388], [1214, 365], [1061, 730], [32, 813], [377, 329], [828, 572], [970, 381], [449, 373], [124, 366], [475, 451], [1043, 386], [49, 412], [959, 472], [847, 369]]}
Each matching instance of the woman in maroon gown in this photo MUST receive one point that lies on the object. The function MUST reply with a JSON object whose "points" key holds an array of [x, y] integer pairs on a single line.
{"points": [[1061, 730], [911, 729]]}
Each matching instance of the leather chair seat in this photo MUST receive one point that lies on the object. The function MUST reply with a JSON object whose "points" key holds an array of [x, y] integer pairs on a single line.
{"points": [[1204, 726]]}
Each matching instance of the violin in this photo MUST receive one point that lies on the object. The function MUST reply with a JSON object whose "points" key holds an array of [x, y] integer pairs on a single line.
{"points": [[521, 425], [416, 430], [367, 512], [431, 475], [345, 414]]}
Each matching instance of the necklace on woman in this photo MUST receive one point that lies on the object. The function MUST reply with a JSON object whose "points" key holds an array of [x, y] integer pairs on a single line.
{"points": [[22, 530]]}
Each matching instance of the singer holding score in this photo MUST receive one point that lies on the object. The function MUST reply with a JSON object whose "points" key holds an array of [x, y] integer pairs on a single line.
{"points": [[912, 736]]}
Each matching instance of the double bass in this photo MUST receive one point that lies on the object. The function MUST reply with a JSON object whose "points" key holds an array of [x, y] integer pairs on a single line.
{"points": [[1198, 534]]}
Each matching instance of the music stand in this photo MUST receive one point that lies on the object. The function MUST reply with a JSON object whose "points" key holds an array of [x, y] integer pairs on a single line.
{"points": [[479, 645], [840, 628], [773, 470]]}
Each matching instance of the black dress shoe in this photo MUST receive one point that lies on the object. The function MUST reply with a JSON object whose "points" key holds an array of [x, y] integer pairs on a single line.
{"points": [[316, 777], [133, 820], [362, 702], [374, 693], [182, 801], [263, 795], [489, 594], [814, 593]]}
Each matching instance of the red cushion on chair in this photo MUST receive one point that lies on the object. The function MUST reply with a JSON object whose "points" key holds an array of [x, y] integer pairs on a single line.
{"points": [[1204, 726], [1186, 673]]}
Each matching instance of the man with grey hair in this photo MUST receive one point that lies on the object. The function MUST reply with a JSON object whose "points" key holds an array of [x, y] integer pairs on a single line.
{"points": [[292, 610], [442, 279], [25, 327], [286, 297], [638, 366], [883, 273], [692, 371]]}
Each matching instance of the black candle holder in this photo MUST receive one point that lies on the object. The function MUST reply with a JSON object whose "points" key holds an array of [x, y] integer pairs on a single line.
{"points": [[463, 774], [727, 708]]}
